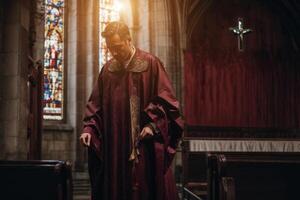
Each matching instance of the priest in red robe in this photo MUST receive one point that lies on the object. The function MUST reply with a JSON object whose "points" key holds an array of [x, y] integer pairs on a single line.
{"points": [[132, 124]]}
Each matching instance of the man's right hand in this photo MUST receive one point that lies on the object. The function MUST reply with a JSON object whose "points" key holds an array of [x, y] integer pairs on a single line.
{"points": [[85, 139]]}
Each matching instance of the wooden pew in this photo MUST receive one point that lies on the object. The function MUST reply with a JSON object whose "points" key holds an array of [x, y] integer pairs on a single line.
{"points": [[35, 180], [194, 165], [248, 176]]}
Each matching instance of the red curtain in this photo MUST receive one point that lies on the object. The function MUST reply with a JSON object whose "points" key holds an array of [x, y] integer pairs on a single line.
{"points": [[259, 87]]}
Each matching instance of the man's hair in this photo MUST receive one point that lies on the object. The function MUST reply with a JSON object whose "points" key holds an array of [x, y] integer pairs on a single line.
{"points": [[116, 27]]}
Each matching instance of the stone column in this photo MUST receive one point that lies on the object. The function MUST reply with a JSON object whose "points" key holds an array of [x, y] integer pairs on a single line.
{"points": [[70, 69], [164, 39], [140, 28], [82, 66], [1, 23], [13, 78]]}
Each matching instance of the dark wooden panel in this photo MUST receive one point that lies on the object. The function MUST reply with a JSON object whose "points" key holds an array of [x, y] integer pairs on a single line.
{"points": [[247, 176], [35, 180], [194, 171]]}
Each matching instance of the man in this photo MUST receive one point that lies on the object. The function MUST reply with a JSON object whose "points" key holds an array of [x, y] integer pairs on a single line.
{"points": [[132, 124]]}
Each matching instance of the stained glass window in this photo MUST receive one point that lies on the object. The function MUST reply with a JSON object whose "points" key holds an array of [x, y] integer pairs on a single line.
{"points": [[109, 11], [53, 60]]}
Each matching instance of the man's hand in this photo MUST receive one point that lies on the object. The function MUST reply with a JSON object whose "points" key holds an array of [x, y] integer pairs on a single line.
{"points": [[146, 133], [85, 139]]}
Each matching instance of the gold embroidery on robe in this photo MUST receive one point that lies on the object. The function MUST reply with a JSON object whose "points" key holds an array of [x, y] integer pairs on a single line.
{"points": [[135, 128]]}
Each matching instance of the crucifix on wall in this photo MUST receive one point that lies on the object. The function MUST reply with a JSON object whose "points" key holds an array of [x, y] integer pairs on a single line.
{"points": [[240, 31]]}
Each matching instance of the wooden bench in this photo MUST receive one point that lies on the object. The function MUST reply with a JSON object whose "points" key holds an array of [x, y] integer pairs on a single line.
{"points": [[199, 140], [249, 176], [35, 180]]}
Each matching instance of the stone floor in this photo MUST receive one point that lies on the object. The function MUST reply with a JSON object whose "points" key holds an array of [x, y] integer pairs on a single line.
{"points": [[81, 187]]}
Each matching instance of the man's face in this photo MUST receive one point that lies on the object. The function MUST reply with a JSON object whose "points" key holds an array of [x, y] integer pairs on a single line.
{"points": [[120, 49]]}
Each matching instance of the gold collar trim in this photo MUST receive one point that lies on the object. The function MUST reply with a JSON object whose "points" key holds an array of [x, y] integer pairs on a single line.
{"points": [[136, 65]]}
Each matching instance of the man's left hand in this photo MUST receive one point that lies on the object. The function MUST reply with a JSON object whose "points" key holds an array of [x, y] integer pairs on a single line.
{"points": [[146, 133]]}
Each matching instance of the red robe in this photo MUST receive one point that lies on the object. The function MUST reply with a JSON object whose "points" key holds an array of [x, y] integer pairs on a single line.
{"points": [[123, 101]]}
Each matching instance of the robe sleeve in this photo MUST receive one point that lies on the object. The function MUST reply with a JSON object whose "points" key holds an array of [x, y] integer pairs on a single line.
{"points": [[164, 112], [92, 120]]}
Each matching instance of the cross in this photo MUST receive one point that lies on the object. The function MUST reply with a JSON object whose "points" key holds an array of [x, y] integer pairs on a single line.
{"points": [[240, 31]]}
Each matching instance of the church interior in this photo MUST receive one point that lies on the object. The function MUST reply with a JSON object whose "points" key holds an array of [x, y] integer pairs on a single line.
{"points": [[234, 66]]}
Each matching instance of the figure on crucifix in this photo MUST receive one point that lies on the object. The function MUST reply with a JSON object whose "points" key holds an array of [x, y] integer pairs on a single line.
{"points": [[240, 31]]}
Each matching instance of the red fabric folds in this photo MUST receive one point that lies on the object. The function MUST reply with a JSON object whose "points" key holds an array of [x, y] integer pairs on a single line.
{"points": [[255, 88]]}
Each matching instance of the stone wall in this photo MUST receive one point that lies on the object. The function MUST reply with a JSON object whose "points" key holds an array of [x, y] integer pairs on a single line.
{"points": [[58, 143]]}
